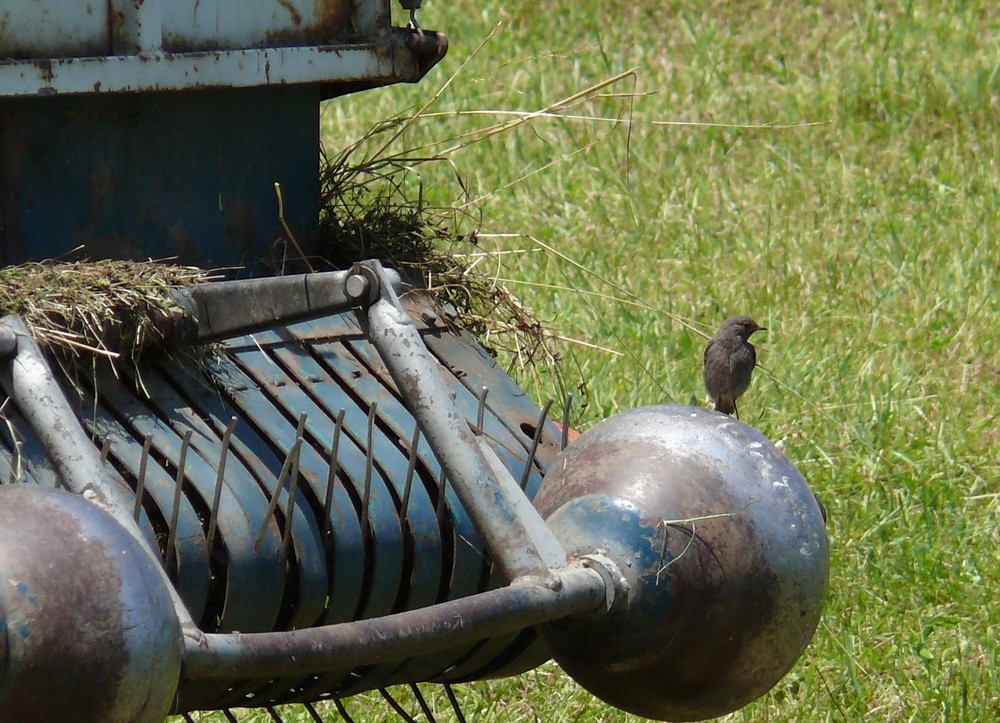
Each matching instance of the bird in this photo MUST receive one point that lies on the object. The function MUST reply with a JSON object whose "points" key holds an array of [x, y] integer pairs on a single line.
{"points": [[729, 362]]}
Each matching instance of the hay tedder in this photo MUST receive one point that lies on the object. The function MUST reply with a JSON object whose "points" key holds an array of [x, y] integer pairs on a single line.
{"points": [[346, 493]]}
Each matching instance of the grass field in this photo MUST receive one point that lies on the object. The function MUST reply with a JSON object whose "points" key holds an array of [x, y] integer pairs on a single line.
{"points": [[831, 170]]}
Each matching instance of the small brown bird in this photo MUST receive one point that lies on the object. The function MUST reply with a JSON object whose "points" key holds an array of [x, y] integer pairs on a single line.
{"points": [[729, 362]]}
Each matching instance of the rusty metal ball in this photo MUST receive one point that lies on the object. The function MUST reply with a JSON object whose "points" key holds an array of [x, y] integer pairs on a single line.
{"points": [[89, 631], [724, 549]]}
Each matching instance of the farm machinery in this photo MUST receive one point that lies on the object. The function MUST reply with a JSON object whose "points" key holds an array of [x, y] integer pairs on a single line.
{"points": [[345, 492]]}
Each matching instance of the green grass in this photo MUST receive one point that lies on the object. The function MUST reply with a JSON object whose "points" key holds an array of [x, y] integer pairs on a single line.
{"points": [[866, 242]]}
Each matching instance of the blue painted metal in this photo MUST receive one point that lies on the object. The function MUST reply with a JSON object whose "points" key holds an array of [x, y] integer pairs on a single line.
{"points": [[105, 172]]}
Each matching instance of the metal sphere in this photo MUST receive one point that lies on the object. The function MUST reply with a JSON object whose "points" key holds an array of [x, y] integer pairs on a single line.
{"points": [[88, 629], [724, 549]]}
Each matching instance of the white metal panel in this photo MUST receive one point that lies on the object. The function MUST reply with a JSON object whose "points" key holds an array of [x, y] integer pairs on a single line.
{"points": [[54, 28], [234, 24]]}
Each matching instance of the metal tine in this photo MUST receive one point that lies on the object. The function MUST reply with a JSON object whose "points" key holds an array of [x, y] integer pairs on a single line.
{"points": [[178, 487], [539, 428], [230, 716], [481, 410], [455, 706], [411, 468], [565, 421], [422, 702], [396, 706], [285, 469], [442, 493], [275, 715], [343, 710], [369, 463], [220, 478], [105, 449], [187, 718], [140, 482], [313, 713], [331, 478], [293, 486]]}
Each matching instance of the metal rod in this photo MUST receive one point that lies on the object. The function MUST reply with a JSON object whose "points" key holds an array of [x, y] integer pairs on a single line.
{"points": [[481, 410], [513, 530], [396, 706], [369, 464], [225, 309], [442, 495], [220, 480], [525, 603], [105, 449], [293, 489], [334, 469], [230, 716], [140, 482], [564, 441], [342, 710], [535, 439], [422, 702], [272, 506], [455, 706], [411, 468], [178, 488], [313, 713]]}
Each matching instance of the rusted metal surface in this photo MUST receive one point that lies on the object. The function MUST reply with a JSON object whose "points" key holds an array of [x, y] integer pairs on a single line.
{"points": [[727, 555], [389, 60], [90, 632], [53, 29], [525, 603]]}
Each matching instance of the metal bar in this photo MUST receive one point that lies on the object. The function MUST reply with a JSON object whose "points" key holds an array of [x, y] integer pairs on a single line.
{"points": [[455, 706], [536, 438], [422, 702], [392, 59], [564, 439], [526, 602], [220, 480], [481, 411], [285, 471], [396, 706], [178, 489], [225, 309], [411, 468], [140, 482], [515, 533], [334, 468]]}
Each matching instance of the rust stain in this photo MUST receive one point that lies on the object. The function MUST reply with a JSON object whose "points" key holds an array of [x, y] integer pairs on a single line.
{"points": [[292, 10]]}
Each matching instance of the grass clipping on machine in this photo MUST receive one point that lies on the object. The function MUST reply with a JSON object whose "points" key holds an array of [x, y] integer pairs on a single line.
{"points": [[85, 308], [372, 209]]}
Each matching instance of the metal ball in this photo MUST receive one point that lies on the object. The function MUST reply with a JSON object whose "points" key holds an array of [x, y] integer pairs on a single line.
{"points": [[88, 628], [724, 550]]}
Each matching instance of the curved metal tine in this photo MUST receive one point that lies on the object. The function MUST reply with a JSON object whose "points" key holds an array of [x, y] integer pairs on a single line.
{"points": [[422, 702], [342, 710], [275, 715], [230, 716], [565, 421], [140, 482], [187, 718], [539, 428], [105, 449], [178, 488], [442, 493], [395, 705], [455, 706], [331, 478], [313, 713], [285, 469], [293, 486], [369, 462], [481, 410], [220, 478], [411, 467]]}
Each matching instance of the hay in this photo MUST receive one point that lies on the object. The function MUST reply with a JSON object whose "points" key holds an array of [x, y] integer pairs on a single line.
{"points": [[85, 308]]}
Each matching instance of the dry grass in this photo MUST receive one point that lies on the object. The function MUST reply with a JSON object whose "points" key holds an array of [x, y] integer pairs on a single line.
{"points": [[109, 308]]}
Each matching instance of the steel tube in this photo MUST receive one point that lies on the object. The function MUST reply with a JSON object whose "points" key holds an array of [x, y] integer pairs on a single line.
{"points": [[514, 532], [526, 602]]}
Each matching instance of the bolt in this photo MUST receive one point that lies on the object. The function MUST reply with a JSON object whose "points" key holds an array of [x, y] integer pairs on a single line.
{"points": [[357, 287]]}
